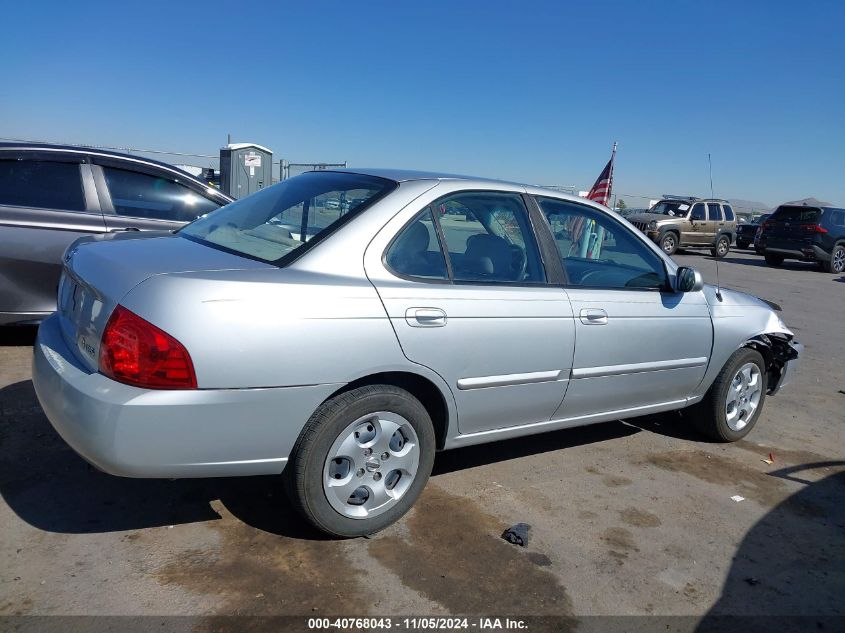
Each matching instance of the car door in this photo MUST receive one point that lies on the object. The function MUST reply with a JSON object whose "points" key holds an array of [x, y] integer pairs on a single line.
{"points": [[47, 201], [140, 197], [638, 343], [465, 288], [697, 225], [715, 221]]}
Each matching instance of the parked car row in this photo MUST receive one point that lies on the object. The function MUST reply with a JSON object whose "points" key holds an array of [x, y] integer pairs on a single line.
{"points": [[50, 195]]}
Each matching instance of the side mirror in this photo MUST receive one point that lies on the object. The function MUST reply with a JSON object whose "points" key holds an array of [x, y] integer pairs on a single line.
{"points": [[688, 280]]}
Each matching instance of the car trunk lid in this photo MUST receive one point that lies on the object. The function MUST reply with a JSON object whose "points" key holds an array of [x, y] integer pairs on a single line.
{"points": [[796, 223], [96, 276]]}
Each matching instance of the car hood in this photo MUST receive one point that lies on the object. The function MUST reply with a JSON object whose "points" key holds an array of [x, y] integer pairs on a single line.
{"points": [[648, 217]]}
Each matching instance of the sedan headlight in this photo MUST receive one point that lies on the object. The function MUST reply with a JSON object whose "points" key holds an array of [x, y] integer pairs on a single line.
{"points": [[652, 226]]}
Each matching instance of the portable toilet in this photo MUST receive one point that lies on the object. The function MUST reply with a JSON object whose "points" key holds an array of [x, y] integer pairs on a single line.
{"points": [[245, 168]]}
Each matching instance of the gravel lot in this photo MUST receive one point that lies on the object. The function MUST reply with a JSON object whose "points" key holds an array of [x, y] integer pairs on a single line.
{"points": [[628, 517]]}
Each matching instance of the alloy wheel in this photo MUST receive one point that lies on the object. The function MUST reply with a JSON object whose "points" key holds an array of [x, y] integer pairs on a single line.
{"points": [[371, 465], [743, 396]]}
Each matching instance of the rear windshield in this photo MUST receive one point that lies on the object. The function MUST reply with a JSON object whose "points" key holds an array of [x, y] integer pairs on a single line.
{"points": [[278, 221], [796, 214], [679, 209]]}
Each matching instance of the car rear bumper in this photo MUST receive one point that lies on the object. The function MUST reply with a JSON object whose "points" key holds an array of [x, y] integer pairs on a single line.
{"points": [[134, 432], [807, 252]]}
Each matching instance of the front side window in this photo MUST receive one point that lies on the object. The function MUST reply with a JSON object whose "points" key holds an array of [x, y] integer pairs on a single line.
{"points": [[41, 184], [697, 212], [713, 212], [489, 238], [597, 252], [274, 222], [140, 195], [416, 250]]}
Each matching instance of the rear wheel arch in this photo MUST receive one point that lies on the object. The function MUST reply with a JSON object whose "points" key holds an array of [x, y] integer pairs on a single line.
{"points": [[423, 389]]}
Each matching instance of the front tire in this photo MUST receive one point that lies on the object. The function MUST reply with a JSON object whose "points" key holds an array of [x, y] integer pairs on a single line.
{"points": [[361, 461], [836, 263], [669, 243], [733, 403], [721, 247]]}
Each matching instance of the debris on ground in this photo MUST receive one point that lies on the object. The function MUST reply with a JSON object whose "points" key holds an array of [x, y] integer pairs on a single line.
{"points": [[517, 534], [737, 498]]}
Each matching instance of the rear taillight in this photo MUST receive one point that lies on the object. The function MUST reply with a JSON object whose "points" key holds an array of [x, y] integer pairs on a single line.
{"points": [[135, 352], [813, 228]]}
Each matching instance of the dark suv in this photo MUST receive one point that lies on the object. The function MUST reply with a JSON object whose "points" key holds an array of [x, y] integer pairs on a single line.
{"points": [[50, 195], [810, 234]]}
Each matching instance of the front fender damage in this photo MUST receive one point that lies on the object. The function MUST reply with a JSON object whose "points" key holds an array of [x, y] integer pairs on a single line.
{"points": [[781, 352]]}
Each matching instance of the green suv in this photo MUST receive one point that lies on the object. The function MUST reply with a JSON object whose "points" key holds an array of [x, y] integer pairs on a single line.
{"points": [[680, 222]]}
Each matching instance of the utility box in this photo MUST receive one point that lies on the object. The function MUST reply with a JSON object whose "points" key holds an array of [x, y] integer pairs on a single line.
{"points": [[245, 168]]}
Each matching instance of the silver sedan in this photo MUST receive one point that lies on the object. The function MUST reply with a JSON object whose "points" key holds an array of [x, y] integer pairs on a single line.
{"points": [[341, 327]]}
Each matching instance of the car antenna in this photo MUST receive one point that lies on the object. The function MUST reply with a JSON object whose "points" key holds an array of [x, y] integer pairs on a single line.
{"points": [[715, 257]]}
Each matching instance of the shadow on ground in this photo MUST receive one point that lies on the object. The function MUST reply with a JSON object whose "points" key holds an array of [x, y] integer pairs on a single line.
{"points": [[50, 487], [790, 563]]}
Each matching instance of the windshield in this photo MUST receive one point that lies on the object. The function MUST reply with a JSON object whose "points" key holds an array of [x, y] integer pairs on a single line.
{"points": [[275, 222], [675, 209]]}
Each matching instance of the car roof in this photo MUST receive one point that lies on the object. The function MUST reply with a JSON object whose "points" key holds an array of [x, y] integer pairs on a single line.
{"points": [[405, 175], [410, 175], [81, 149]]}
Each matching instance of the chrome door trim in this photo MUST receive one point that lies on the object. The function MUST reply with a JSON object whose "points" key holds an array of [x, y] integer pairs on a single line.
{"points": [[505, 380], [633, 368]]}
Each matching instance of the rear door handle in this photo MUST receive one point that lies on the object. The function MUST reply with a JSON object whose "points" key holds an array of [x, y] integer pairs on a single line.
{"points": [[425, 317], [593, 316]]}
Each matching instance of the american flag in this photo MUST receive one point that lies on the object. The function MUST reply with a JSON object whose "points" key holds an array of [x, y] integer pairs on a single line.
{"points": [[601, 190]]}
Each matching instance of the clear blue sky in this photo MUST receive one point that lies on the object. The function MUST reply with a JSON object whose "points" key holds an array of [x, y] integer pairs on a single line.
{"points": [[531, 91]]}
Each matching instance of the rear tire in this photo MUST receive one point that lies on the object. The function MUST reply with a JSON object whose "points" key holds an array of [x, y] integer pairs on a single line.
{"points": [[669, 243], [773, 260], [836, 263], [353, 432], [721, 247], [732, 405]]}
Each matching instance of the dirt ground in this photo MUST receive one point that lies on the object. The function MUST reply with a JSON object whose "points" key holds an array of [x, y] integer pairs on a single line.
{"points": [[630, 517]]}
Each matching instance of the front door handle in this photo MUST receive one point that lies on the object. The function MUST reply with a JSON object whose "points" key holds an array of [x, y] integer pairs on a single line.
{"points": [[425, 317], [128, 228], [593, 316]]}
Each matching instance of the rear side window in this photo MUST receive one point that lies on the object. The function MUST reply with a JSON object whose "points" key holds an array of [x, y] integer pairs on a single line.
{"points": [[489, 238], [154, 197], [416, 251], [729, 213], [41, 184], [713, 212], [837, 218]]}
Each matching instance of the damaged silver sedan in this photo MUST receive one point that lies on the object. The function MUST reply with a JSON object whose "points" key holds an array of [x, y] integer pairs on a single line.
{"points": [[341, 327]]}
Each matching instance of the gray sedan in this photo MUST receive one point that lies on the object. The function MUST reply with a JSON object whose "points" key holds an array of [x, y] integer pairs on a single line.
{"points": [[342, 347]]}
